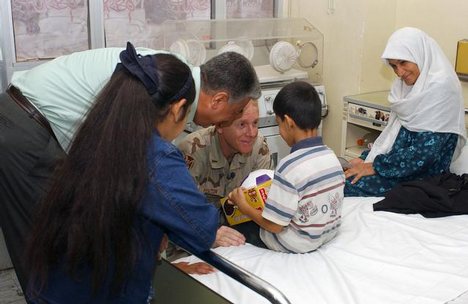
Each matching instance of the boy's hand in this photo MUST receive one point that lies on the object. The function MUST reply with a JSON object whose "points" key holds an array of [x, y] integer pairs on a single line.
{"points": [[237, 198]]}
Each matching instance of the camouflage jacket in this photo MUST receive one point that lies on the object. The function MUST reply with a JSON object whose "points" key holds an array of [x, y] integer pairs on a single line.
{"points": [[213, 173]]}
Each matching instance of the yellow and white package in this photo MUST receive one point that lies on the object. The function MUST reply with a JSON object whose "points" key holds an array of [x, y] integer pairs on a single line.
{"points": [[257, 185]]}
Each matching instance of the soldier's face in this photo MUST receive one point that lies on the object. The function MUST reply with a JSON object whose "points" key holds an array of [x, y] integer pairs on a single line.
{"points": [[230, 112], [240, 136]]}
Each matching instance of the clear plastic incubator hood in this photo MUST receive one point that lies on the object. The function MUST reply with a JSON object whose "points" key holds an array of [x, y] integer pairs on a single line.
{"points": [[279, 48]]}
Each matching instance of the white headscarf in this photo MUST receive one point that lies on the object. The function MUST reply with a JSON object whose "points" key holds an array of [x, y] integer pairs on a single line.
{"points": [[434, 103]]}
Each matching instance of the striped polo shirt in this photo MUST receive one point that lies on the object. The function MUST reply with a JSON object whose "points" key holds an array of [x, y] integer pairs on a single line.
{"points": [[305, 197]]}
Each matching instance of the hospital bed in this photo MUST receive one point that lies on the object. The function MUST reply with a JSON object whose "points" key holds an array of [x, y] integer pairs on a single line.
{"points": [[377, 257]]}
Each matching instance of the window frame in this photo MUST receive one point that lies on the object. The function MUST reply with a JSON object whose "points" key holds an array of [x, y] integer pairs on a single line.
{"points": [[9, 65]]}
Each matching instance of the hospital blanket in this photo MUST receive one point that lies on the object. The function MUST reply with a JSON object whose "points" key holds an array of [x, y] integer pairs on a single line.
{"points": [[377, 257]]}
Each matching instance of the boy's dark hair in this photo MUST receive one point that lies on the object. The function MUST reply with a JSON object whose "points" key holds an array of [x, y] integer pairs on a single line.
{"points": [[301, 102]]}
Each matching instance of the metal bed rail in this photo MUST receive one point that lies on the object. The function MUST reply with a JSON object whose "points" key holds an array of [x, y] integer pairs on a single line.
{"points": [[260, 286]]}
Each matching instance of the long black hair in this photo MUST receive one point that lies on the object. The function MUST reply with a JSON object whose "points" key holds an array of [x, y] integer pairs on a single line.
{"points": [[86, 218]]}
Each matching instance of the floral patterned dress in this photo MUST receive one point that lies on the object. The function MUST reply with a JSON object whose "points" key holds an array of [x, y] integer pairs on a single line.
{"points": [[414, 155]]}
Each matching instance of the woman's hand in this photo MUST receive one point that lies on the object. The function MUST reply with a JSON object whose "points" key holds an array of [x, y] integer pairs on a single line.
{"points": [[359, 170], [356, 161], [226, 236], [195, 268], [163, 246]]}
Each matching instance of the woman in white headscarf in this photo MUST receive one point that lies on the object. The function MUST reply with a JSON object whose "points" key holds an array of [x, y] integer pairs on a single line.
{"points": [[426, 128]]}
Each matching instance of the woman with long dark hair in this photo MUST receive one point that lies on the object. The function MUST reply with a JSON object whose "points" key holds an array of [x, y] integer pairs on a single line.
{"points": [[123, 186]]}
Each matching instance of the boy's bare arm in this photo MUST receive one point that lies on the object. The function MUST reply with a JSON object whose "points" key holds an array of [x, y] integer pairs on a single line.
{"points": [[237, 198]]}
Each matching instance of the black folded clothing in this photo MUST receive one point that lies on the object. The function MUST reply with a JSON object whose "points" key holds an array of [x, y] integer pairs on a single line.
{"points": [[437, 196]]}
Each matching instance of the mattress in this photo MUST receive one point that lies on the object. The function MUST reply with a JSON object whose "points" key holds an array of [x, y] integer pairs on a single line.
{"points": [[377, 257]]}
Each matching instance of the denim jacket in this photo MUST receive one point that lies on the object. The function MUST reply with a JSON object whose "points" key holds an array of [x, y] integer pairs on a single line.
{"points": [[172, 205]]}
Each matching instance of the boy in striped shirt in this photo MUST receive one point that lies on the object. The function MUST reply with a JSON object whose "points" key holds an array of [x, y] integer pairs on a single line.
{"points": [[303, 209]]}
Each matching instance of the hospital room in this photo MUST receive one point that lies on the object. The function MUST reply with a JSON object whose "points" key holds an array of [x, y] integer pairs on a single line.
{"points": [[234, 151]]}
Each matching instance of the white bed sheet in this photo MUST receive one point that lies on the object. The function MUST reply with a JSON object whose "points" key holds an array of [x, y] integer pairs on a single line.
{"points": [[377, 257]]}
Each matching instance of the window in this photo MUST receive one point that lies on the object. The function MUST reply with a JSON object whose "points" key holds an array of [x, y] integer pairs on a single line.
{"points": [[49, 28], [250, 9], [140, 21], [44, 29], [36, 30]]}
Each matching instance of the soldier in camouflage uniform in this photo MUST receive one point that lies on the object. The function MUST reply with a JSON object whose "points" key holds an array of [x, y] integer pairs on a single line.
{"points": [[220, 158]]}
